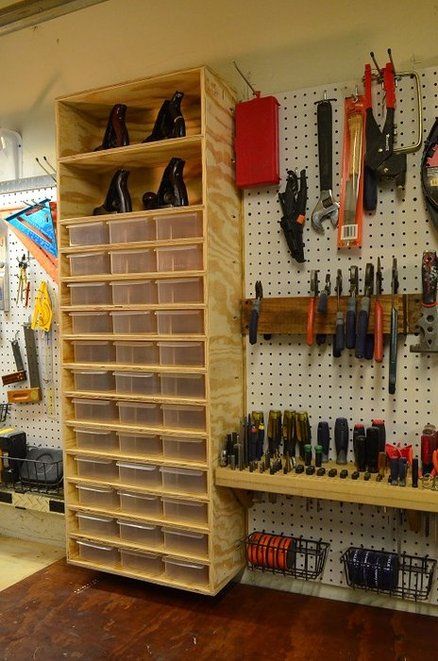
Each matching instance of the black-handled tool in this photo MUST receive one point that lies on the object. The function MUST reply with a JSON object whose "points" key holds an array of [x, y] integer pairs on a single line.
{"points": [[358, 430], [380, 425], [288, 433], [255, 312], [323, 439], [350, 324], [339, 338], [293, 205], [322, 306], [364, 312], [372, 449], [341, 440], [394, 330], [428, 322], [17, 355], [326, 206], [274, 432]]}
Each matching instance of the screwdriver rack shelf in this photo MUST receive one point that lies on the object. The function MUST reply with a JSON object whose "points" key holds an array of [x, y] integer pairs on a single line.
{"points": [[288, 315], [346, 490]]}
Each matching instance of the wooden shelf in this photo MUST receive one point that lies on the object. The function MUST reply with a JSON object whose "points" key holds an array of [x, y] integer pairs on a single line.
{"points": [[151, 275], [132, 245], [140, 459], [116, 484], [131, 397], [107, 218], [118, 426], [134, 307], [288, 315], [122, 367], [332, 488], [134, 337]]}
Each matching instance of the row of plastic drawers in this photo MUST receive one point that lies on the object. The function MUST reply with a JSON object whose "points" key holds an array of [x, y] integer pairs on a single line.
{"points": [[154, 537], [152, 260], [150, 564], [136, 444], [139, 353], [175, 416], [146, 476], [141, 383], [145, 505], [163, 322], [156, 228], [127, 292]]}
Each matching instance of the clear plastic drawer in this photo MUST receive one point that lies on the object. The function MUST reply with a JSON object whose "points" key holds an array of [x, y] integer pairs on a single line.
{"points": [[96, 469], [179, 226], [176, 322], [97, 497], [140, 533], [139, 475], [104, 440], [139, 503], [183, 571], [94, 409], [140, 413], [88, 234], [133, 322], [90, 263], [184, 542], [97, 526], [131, 292], [182, 385], [98, 380], [97, 553], [181, 353], [185, 511], [138, 383], [143, 563], [93, 351], [179, 258], [133, 261], [136, 353], [135, 444], [182, 290], [186, 449], [89, 293], [90, 322], [129, 231], [183, 417], [184, 480]]}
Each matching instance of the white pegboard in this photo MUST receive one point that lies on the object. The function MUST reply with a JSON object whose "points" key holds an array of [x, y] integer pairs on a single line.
{"points": [[284, 373], [41, 421]]}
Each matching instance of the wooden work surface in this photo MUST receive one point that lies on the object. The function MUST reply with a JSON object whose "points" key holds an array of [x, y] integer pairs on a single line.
{"points": [[73, 612], [333, 488]]}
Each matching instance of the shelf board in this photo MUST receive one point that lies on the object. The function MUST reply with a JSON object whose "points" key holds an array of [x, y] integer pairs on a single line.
{"points": [[152, 213], [118, 277], [119, 543], [159, 580], [134, 307], [115, 484], [172, 523], [119, 426], [131, 245], [33, 501], [134, 337], [325, 488], [122, 367], [151, 459], [140, 155], [131, 397]]}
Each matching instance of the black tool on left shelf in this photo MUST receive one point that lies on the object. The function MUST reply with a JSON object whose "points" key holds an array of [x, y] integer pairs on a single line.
{"points": [[293, 205]]}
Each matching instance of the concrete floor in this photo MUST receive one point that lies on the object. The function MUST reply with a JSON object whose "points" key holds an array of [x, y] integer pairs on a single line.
{"points": [[21, 558]]}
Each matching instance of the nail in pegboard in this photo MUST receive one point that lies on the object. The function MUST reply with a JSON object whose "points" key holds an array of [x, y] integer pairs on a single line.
{"points": [[284, 373], [42, 429]]}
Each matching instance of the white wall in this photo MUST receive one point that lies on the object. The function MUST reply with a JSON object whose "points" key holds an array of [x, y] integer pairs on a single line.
{"points": [[285, 44]]}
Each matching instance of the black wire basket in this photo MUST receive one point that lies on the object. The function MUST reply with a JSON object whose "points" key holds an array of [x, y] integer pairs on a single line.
{"points": [[281, 554], [36, 473], [405, 576]]}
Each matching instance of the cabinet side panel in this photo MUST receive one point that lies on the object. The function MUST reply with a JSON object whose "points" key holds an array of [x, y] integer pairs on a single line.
{"points": [[224, 291]]}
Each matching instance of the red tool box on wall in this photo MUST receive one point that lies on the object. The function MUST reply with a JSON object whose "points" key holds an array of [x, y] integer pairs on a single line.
{"points": [[256, 142]]}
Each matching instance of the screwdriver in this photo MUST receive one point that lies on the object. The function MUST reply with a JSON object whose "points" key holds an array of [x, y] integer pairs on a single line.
{"points": [[323, 306], [364, 312], [323, 439], [312, 306], [339, 339], [350, 339], [341, 440], [394, 330], [378, 316]]}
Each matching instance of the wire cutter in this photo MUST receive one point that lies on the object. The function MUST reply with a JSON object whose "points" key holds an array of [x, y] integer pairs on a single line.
{"points": [[293, 205]]}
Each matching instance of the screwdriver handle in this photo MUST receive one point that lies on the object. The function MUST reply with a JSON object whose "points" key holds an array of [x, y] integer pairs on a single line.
{"points": [[378, 332], [351, 324], [253, 324], [310, 322], [393, 351], [323, 302], [340, 332], [362, 327], [323, 439]]}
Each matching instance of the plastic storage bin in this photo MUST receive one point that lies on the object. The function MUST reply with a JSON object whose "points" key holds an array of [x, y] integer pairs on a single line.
{"points": [[175, 322], [184, 571], [130, 292], [179, 226], [182, 290], [90, 322], [134, 444], [182, 385], [88, 234], [89, 293], [97, 553], [184, 542], [97, 497], [128, 231], [133, 322], [139, 475], [136, 353], [183, 417], [133, 261], [96, 439], [145, 563], [90, 263], [184, 480], [140, 503], [94, 409], [98, 526], [140, 533], [179, 258], [186, 511], [138, 383], [189, 449], [93, 351], [99, 380], [140, 413], [181, 353], [99, 469]]}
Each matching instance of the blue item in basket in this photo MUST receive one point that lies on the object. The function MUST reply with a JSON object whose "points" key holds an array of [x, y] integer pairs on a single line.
{"points": [[377, 570]]}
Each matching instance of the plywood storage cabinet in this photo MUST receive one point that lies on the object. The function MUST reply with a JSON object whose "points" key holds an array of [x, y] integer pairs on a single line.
{"points": [[152, 351]]}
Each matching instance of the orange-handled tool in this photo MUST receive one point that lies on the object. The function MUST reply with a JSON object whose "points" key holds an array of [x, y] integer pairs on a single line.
{"points": [[378, 317], [310, 335]]}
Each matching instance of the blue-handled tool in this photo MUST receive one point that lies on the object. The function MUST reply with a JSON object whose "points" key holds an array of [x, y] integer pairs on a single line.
{"points": [[255, 312], [339, 339], [350, 324], [364, 312]]}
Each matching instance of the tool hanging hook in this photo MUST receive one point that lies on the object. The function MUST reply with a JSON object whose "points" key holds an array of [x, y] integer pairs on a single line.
{"points": [[49, 164], [251, 87], [373, 57], [45, 169]]}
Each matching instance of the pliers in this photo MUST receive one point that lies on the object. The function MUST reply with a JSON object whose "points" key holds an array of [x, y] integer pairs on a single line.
{"points": [[293, 205]]}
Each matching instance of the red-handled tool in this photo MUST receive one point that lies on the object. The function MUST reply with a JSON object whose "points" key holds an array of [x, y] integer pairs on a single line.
{"points": [[310, 335], [378, 316]]}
